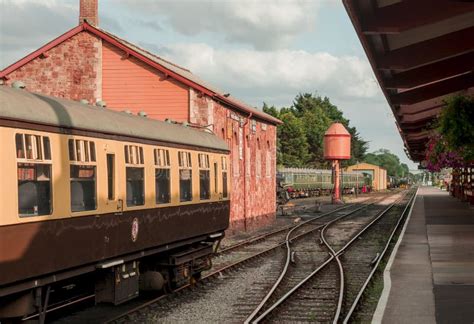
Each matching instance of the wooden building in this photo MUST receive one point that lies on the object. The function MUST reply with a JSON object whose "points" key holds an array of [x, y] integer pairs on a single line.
{"points": [[90, 63], [378, 174]]}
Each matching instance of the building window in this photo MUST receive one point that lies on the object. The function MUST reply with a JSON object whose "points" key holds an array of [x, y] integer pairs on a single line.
{"points": [[204, 177], [135, 175], [34, 175], [224, 177], [82, 174], [162, 176], [185, 176]]}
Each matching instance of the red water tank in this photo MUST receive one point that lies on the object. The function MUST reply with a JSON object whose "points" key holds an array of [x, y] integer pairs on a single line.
{"points": [[337, 143]]}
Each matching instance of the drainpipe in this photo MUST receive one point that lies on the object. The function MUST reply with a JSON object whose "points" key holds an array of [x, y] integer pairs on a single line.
{"points": [[245, 169]]}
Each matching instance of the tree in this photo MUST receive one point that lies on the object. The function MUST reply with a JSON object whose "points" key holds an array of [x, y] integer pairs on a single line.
{"points": [[314, 114], [389, 161], [293, 146]]}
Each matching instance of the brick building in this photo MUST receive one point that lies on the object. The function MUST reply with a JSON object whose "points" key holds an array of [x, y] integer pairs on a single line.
{"points": [[90, 63]]}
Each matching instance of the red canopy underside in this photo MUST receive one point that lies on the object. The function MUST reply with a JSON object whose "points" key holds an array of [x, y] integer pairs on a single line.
{"points": [[421, 52]]}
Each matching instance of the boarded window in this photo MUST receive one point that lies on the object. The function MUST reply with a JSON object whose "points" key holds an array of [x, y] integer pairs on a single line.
{"points": [[34, 175]]}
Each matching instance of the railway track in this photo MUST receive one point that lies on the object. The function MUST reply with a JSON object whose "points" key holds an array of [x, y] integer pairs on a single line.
{"points": [[264, 247], [329, 280], [272, 254]]}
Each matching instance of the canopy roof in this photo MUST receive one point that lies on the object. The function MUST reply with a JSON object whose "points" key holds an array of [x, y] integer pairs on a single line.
{"points": [[421, 52]]}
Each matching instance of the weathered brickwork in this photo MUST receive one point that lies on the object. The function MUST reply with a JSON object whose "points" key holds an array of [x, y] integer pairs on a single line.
{"points": [[252, 162], [84, 67], [70, 70]]}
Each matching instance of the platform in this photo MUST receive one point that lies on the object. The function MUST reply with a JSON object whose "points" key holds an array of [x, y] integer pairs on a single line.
{"points": [[430, 279]]}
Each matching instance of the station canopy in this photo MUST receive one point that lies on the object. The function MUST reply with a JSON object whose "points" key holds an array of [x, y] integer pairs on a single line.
{"points": [[421, 51]]}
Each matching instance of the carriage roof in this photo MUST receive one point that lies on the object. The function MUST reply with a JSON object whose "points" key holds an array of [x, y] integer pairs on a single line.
{"points": [[21, 105]]}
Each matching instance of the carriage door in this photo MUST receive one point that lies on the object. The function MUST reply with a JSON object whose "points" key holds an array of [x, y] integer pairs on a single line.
{"points": [[111, 194]]}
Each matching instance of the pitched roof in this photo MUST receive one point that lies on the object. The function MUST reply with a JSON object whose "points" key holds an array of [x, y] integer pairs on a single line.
{"points": [[174, 71]]}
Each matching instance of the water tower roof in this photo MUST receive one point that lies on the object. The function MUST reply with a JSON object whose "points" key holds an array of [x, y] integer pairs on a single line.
{"points": [[337, 129]]}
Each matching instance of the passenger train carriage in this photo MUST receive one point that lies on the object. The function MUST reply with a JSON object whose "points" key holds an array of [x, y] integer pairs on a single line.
{"points": [[115, 199], [316, 182]]}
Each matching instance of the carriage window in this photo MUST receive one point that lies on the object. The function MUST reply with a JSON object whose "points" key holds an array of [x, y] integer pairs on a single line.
{"points": [[81, 151], [204, 177], [224, 177], [82, 174], [185, 176], [135, 186], [34, 175], [133, 154], [83, 195], [135, 174], [162, 176]]}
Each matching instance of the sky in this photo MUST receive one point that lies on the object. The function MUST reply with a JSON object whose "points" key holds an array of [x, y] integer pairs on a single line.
{"points": [[257, 50]]}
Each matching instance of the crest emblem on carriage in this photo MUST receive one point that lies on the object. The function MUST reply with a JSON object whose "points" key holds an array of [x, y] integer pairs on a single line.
{"points": [[134, 229]]}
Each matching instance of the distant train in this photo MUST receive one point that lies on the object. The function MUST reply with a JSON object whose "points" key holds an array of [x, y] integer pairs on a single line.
{"points": [[315, 182], [101, 201]]}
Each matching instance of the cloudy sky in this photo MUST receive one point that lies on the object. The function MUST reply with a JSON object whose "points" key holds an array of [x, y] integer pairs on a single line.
{"points": [[258, 50]]}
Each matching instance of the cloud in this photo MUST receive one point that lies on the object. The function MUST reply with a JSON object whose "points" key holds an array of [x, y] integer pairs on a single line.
{"points": [[263, 24], [26, 25], [277, 77], [282, 71]]}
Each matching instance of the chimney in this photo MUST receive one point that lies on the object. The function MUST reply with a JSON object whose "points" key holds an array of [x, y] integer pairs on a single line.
{"points": [[89, 11]]}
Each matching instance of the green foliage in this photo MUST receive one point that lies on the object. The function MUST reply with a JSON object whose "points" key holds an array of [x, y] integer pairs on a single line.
{"points": [[456, 125], [293, 146], [310, 118], [388, 161]]}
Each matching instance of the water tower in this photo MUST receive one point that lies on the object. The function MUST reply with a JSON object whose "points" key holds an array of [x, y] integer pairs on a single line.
{"points": [[337, 146]]}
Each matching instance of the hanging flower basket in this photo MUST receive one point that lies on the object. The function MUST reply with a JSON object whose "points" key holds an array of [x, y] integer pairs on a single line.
{"points": [[452, 142]]}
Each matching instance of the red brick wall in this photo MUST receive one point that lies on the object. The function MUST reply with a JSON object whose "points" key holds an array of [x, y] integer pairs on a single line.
{"points": [[70, 70], [253, 196]]}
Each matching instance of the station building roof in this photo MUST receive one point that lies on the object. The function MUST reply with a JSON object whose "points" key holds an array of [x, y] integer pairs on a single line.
{"points": [[421, 53], [170, 69]]}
